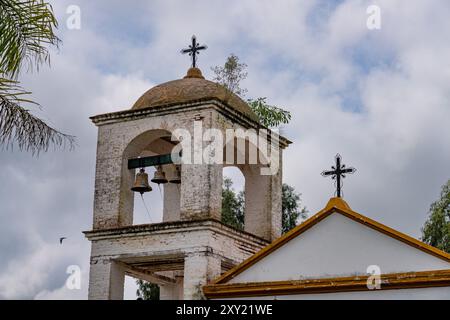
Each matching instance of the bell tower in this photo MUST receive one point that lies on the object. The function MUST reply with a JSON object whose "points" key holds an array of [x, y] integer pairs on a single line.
{"points": [[189, 130]]}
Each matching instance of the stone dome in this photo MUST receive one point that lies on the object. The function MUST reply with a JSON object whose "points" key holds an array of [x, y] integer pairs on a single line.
{"points": [[193, 87]]}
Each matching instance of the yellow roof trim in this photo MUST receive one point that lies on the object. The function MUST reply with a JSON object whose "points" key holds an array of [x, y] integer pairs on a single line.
{"points": [[334, 205], [407, 280]]}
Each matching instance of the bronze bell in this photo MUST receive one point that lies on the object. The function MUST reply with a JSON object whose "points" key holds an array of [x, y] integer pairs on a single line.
{"points": [[160, 176], [141, 184], [176, 177]]}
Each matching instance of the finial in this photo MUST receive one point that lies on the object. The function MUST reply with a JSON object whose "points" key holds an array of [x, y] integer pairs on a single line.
{"points": [[194, 73], [193, 50]]}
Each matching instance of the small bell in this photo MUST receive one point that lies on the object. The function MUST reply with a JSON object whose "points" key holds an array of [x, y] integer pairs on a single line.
{"points": [[176, 177], [160, 176], [141, 184]]}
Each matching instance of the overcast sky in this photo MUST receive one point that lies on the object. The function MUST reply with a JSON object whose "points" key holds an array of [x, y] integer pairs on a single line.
{"points": [[381, 98]]}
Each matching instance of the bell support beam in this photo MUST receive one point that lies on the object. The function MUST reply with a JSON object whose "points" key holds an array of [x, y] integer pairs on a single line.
{"points": [[150, 161], [148, 276]]}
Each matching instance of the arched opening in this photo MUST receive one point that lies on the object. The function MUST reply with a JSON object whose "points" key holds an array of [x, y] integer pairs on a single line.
{"points": [[162, 203], [148, 208], [254, 206]]}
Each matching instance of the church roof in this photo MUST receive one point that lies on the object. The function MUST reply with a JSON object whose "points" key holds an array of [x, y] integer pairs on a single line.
{"points": [[335, 206], [406, 280], [193, 87]]}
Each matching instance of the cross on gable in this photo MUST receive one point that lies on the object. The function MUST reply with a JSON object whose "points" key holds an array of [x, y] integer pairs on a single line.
{"points": [[338, 171], [193, 50]]}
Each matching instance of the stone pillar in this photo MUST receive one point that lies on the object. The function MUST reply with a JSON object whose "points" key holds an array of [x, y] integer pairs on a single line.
{"points": [[199, 269], [180, 287], [276, 213], [167, 292], [106, 280], [172, 291], [113, 199], [171, 209], [201, 191], [263, 196]]}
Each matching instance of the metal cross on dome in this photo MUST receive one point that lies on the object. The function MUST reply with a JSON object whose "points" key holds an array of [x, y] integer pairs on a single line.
{"points": [[338, 171], [193, 50]]}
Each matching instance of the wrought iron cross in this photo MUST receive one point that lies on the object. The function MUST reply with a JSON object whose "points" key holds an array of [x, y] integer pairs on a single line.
{"points": [[337, 172], [193, 50]]}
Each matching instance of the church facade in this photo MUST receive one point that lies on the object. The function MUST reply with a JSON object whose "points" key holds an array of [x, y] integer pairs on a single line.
{"points": [[339, 254]]}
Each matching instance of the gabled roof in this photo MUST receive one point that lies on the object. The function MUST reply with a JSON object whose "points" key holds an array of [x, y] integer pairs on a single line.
{"points": [[335, 205]]}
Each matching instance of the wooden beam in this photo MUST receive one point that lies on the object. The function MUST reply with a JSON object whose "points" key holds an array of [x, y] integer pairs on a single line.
{"points": [[147, 275]]}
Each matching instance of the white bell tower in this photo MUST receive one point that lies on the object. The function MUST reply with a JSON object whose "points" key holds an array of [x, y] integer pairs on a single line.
{"points": [[191, 246]]}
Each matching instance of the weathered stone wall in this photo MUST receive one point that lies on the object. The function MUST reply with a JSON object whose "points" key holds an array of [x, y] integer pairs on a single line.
{"points": [[198, 249], [200, 194], [206, 249], [119, 141]]}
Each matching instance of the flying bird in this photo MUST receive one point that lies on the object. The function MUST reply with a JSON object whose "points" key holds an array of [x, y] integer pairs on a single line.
{"points": [[61, 240]]}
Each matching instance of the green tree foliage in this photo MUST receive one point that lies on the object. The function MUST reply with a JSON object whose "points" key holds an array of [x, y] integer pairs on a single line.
{"points": [[233, 207], [291, 208], [436, 230], [147, 290], [270, 116], [230, 76], [26, 29]]}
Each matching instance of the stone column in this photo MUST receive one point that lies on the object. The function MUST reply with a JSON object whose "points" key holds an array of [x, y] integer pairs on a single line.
{"points": [[201, 175], [171, 209], [201, 191], [263, 196], [113, 199], [167, 292], [276, 213], [199, 269], [106, 280], [172, 291]]}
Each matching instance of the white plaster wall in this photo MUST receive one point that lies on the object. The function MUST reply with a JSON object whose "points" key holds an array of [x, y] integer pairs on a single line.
{"points": [[339, 246]]}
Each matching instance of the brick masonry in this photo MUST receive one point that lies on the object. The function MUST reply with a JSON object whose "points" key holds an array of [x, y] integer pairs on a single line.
{"points": [[191, 247]]}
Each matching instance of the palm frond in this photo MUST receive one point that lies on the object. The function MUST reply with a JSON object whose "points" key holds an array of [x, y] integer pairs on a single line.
{"points": [[18, 126], [26, 27]]}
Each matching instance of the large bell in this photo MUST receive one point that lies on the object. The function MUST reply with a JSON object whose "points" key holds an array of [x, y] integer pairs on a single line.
{"points": [[160, 176], [176, 176], [141, 184]]}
